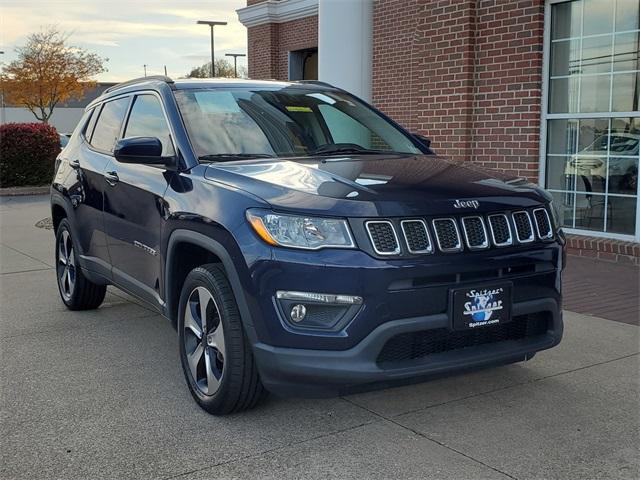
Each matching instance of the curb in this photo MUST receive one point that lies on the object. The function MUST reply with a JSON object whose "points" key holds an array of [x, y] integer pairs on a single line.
{"points": [[23, 191]]}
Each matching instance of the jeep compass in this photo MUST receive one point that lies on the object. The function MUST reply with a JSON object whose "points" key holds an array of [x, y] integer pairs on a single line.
{"points": [[300, 240]]}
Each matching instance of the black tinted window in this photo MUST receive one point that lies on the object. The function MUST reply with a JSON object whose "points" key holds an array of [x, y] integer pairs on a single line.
{"points": [[147, 120], [108, 125]]}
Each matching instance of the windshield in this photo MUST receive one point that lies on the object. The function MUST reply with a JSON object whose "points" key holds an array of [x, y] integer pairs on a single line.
{"points": [[291, 121]]}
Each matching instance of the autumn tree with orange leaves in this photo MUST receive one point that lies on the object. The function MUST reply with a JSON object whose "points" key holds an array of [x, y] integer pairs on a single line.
{"points": [[48, 72]]}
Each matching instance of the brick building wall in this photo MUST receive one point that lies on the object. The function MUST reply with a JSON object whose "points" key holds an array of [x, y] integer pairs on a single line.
{"points": [[269, 45], [466, 73]]}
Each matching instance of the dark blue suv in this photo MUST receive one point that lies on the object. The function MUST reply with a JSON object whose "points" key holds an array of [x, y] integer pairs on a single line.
{"points": [[301, 241]]}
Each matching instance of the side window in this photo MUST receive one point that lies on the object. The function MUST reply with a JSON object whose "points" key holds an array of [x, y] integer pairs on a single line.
{"points": [[108, 125], [88, 128], [147, 120]]}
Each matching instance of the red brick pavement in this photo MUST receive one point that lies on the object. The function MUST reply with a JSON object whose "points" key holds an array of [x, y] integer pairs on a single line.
{"points": [[603, 289]]}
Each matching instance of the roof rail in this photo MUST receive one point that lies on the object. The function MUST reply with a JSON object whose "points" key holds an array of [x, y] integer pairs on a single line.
{"points": [[161, 78], [315, 82]]}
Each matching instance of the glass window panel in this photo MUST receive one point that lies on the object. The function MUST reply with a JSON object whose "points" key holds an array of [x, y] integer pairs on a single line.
{"points": [[590, 211], [561, 136], [594, 93], [621, 215], [107, 128], [563, 202], [563, 95], [147, 120], [630, 125], [627, 15], [623, 175], [598, 17], [625, 56], [560, 173], [596, 54], [625, 92], [565, 57], [565, 20], [593, 136], [590, 173]]}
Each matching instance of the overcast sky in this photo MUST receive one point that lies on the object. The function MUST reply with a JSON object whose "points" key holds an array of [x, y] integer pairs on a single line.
{"points": [[130, 33]]}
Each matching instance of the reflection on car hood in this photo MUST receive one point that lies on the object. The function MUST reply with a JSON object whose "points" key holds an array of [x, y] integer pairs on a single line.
{"points": [[364, 185]]}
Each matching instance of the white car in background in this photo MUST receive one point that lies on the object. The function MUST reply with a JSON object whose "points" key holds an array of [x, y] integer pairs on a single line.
{"points": [[590, 164]]}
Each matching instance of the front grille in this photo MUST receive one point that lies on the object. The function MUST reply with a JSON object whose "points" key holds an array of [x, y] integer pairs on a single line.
{"points": [[447, 235], [543, 224], [383, 237], [475, 233], [418, 345], [500, 230], [524, 228], [417, 236]]}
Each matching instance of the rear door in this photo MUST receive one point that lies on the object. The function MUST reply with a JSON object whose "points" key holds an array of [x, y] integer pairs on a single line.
{"points": [[90, 160], [134, 205]]}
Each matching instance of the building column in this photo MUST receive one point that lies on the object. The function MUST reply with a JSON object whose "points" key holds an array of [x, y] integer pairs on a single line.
{"points": [[345, 45]]}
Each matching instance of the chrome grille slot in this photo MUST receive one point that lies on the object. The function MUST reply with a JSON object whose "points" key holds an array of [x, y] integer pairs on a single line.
{"points": [[383, 237], [500, 230], [475, 233], [447, 234], [543, 224], [417, 236], [524, 227]]}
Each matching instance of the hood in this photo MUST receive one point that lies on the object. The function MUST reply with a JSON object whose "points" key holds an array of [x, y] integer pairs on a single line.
{"points": [[376, 185]]}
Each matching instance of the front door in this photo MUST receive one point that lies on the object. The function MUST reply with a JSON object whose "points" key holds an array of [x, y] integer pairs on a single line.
{"points": [[134, 208]]}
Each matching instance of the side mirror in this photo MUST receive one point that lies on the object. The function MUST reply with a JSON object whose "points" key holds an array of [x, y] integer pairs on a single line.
{"points": [[144, 150], [426, 141]]}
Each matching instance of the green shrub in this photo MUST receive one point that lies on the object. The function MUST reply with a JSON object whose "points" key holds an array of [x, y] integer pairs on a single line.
{"points": [[27, 154]]}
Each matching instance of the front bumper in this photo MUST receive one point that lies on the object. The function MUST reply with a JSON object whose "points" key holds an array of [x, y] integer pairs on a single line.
{"points": [[312, 373]]}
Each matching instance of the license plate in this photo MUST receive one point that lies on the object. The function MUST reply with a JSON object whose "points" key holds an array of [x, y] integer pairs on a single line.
{"points": [[481, 306]]}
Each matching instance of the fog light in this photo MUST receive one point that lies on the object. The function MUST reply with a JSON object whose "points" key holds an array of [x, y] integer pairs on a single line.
{"points": [[298, 312], [319, 311]]}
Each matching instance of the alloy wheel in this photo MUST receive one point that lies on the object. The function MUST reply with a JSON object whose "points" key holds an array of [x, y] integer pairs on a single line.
{"points": [[66, 265], [204, 340]]}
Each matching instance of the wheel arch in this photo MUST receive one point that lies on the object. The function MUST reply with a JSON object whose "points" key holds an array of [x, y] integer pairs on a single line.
{"points": [[58, 212], [203, 249]]}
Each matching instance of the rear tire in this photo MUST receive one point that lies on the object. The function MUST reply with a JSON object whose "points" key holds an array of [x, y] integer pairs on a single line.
{"points": [[216, 358], [76, 291]]}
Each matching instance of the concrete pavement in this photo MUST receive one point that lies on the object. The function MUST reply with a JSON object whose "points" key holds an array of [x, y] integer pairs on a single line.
{"points": [[101, 395]]}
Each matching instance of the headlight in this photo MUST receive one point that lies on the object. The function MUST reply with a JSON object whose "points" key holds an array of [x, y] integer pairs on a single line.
{"points": [[310, 233]]}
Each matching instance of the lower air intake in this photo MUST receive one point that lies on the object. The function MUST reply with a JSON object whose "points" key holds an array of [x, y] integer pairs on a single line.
{"points": [[418, 345]]}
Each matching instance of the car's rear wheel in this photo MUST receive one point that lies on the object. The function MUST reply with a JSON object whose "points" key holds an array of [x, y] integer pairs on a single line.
{"points": [[76, 291], [216, 358]]}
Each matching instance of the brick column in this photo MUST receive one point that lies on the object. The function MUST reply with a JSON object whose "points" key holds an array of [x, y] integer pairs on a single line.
{"points": [[262, 43]]}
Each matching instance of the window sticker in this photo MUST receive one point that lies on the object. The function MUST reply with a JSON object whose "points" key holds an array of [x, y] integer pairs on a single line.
{"points": [[293, 108]]}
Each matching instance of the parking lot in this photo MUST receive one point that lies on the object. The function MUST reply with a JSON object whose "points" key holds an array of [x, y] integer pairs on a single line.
{"points": [[101, 394]]}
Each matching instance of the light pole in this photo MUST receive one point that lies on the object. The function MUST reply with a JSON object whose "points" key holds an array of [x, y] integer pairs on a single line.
{"points": [[2, 113], [211, 24], [235, 61]]}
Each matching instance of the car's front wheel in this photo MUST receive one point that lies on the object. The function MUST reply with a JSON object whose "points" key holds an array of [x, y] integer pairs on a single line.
{"points": [[216, 358], [77, 292]]}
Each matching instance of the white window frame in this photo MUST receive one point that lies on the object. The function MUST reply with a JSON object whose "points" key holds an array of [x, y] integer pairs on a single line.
{"points": [[545, 116]]}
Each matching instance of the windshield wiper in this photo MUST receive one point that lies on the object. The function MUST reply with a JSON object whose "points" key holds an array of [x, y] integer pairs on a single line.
{"points": [[219, 157], [332, 148]]}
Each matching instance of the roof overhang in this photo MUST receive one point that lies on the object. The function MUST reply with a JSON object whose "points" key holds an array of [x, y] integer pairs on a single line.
{"points": [[277, 11]]}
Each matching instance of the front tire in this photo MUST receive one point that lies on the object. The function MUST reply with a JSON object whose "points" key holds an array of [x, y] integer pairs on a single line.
{"points": [[216, 358], [76, 291]]}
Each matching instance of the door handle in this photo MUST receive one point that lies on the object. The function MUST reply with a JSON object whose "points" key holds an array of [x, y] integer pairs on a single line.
{"points": [[112, 178]]}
